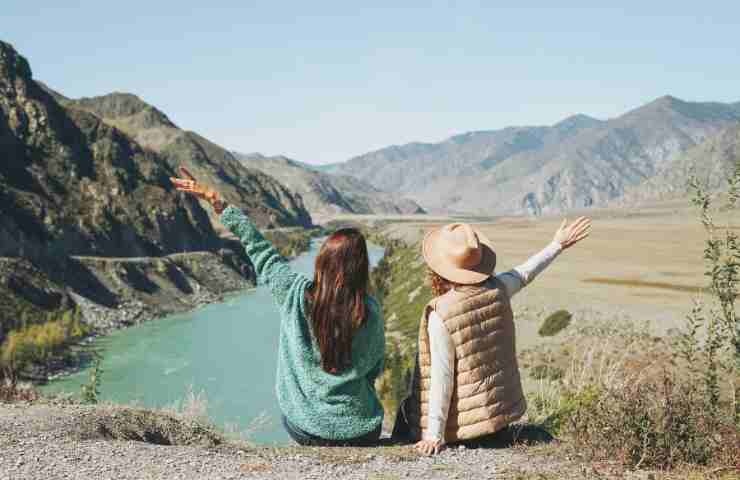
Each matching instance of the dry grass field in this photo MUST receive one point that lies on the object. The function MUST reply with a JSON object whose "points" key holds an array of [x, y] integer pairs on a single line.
{"points": [[643, 264]]}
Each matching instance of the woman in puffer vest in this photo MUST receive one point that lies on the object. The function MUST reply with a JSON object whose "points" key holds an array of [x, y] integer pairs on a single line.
{"points": [[466, 384]]}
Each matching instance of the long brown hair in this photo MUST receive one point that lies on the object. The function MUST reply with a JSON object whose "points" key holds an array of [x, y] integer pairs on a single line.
{"points": [[337, 296]]}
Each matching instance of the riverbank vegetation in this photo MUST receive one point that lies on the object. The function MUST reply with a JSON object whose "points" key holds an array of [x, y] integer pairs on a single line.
{"points": [[35, 341]]}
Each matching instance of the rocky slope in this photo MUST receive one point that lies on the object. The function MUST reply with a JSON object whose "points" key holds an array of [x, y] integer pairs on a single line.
{"points": [[712, 161], [326, 195], [266, 200], [578, 162], [70, 184]]}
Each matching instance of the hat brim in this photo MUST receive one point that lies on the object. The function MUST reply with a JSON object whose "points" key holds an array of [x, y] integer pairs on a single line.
{"points": [[436, 261]]}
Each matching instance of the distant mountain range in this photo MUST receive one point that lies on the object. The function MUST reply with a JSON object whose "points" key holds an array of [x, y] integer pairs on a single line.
{"points": [[578, 162], [326, 195]]}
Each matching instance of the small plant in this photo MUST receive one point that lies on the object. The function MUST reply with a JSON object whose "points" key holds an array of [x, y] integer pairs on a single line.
{"points": [[555, 323], [542, 372], [91, 390]]}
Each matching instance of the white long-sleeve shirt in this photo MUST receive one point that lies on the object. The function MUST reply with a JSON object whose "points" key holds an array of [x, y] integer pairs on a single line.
{"points": [[443, 350]]}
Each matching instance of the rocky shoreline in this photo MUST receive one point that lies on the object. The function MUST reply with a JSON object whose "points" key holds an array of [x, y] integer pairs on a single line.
{"points": [[143, 289], [113, 293]]}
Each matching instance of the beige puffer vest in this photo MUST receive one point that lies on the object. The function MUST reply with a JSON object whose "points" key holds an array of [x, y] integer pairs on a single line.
{"points": [[487, 395]]}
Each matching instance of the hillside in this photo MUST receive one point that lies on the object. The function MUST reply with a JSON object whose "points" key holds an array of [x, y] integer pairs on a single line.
{"points": [[74, 188], [265, 199], [325, 194], [578, 162]]}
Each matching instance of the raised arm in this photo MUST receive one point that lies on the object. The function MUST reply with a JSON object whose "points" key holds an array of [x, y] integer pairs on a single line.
{"points": [[566, 236], [271, 268]]}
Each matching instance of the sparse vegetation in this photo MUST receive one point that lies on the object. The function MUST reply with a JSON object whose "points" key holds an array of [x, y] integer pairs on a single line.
{"points": [[658, 403]]}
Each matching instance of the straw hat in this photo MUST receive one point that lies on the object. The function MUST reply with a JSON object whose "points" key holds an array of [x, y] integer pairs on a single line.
{"points": [[459, 253]]}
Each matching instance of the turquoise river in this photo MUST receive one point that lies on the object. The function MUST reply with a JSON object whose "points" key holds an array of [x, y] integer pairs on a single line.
{"points": [[224, 351]]}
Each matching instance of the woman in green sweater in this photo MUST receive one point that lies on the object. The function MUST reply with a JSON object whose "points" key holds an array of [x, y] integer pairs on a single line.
{"points": [[331, 332]]}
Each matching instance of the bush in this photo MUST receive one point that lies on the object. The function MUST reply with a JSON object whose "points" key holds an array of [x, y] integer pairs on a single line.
{"points": [[39, 342], [634, 400], [554, 323]]}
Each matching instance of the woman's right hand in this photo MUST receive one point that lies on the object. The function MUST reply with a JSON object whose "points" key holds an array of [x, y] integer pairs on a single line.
{"points": [[569, 235], [190, 185]]}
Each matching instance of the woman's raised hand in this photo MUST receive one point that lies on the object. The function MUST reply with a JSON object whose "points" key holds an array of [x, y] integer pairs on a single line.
{"points": [[190, 185], [569, 235]]}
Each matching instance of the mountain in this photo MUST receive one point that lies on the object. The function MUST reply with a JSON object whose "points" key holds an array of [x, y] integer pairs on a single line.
{"points": [[578, 162], [70, 184], [89, 218], [325, 194], [266, 200], [712, 162]]}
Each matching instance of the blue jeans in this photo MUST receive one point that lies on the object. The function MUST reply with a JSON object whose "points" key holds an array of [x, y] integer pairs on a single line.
{"points": [[308, 440]]}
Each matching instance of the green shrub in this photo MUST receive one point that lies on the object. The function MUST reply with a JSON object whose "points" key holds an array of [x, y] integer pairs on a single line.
{"points": [[554, 323], [658, 423]]}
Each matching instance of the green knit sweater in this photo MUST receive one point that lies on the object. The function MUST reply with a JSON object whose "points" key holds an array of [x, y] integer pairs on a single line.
{"points": [[333, 407]]}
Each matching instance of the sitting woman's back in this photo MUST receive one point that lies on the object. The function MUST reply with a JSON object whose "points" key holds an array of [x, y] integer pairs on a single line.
{"points": [[331, 333]]}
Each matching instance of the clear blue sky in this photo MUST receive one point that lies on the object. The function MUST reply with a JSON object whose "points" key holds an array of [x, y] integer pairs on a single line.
{"points": [[324, 81]]}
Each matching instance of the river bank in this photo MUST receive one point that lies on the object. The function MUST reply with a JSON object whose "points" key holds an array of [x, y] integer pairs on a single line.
{"points": [[110, 294], [224, 351]]}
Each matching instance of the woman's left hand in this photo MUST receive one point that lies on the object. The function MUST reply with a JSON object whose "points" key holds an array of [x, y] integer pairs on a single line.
{"points": [[569, 235], [429, 447]]}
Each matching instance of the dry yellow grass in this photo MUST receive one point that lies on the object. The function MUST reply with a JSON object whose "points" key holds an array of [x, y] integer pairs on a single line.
{"points": [[645, 264]]}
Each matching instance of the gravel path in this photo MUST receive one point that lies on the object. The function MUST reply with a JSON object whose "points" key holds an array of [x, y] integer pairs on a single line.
{"points": [[51, 441]]}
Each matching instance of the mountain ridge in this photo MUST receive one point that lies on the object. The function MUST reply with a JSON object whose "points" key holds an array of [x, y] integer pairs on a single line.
{"points": [[326, 195], [577, 162], [263, 198]]}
